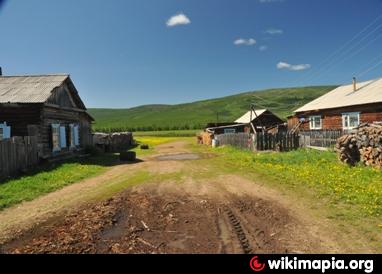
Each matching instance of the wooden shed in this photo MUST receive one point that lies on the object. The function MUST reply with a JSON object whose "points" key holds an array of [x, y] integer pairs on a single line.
{"points": [[46, 106], [262, 119]]}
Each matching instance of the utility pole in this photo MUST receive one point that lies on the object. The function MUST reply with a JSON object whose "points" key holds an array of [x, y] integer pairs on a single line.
{"points": [[254, 111]]}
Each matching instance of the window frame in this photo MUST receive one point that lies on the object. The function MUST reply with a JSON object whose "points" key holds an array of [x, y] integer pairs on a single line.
{"points": [[229, 130], [56, 131], [77, 135], [5, 131], [346, 116], [312, 124], [71, 134]]}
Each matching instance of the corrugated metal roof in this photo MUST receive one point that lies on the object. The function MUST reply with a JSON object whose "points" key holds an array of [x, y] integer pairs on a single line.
{"points": [[246, 118], [29, 89], [367, 92]]}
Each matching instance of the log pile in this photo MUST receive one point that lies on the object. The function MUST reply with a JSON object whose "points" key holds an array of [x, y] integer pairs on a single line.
{"points": [[205, 138], [363, 144], [113, 142]]}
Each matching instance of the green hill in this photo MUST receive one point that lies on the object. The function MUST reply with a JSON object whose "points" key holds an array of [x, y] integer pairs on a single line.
{"points": [[195, 115]]}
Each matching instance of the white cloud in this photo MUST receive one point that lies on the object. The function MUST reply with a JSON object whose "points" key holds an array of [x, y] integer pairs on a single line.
{"points": [[273, 31], [284, 65], [263, 48], [178, 19], [246, 42]]}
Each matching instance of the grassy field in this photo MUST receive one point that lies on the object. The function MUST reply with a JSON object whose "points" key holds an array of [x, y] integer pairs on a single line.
{"points": [[195, 115], [357, 191], [152, 142], [51, 177]]}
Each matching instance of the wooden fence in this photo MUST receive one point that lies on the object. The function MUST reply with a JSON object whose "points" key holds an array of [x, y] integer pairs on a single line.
{"points": [[260, 141], [277, 141], [18, 154], [320, 138], [239, 140]]}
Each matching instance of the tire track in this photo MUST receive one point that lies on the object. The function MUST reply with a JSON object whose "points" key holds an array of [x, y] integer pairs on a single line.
{"points": [[238, 229]]}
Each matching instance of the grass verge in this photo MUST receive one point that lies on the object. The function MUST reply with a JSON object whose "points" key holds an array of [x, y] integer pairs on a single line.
{"points": [[51, 177], [317, 171], [349, 196]]}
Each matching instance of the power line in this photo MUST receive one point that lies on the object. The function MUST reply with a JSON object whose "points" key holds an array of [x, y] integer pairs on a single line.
{"points": [[366, 67], [329, 58], [350, 56], [370, 69]]}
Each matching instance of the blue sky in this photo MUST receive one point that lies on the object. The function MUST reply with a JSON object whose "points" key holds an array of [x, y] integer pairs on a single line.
{"points": [[124, 53]]}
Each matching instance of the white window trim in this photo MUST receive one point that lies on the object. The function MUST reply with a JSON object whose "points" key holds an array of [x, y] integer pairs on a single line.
{"points": [[72, 144], [58, 148], [311, 119], [76, 135], [347, 115]]}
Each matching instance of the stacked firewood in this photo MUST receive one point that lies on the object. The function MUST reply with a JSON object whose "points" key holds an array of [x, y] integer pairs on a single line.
{"points": [[363, 144]]}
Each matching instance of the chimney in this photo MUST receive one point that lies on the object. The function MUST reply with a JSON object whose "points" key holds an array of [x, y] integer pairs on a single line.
{"points": [[1, 71], [354, 84]]}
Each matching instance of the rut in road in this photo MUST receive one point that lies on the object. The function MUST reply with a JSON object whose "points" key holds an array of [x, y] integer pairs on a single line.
{"points": [[146, 221]]}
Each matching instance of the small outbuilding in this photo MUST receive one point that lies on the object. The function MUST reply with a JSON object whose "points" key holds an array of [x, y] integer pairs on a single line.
{"points": [[261, 120]]}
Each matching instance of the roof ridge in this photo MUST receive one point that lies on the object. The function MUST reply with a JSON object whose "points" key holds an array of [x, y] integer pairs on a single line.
{"points": [[345, 96], [37, 75]]}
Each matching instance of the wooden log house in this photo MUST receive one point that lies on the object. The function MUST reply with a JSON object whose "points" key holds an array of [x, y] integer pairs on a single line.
{"points": [[46, 106], [343, 108]]}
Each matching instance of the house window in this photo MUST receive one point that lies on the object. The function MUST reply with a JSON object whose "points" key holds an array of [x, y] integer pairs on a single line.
{"points": [[229, 130], [5, 131], [315, 122], [62, 136], [56, 137], [73, 136], [350, 120]]}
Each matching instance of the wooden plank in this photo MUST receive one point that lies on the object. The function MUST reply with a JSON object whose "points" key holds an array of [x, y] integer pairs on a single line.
{"points": [[17, 154]]}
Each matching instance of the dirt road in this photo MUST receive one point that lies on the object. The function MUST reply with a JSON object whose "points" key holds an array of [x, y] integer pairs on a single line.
{"points": [[222, 214]]}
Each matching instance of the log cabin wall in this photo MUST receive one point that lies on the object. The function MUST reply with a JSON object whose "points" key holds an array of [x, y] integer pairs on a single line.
{"points": [[64, 117], [86, 137], [332, 118], [292, 121], [20, 116]]}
